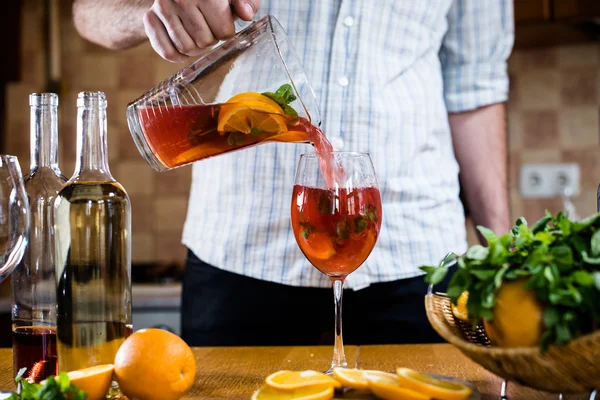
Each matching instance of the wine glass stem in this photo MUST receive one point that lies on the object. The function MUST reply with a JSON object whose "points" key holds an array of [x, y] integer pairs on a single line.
{"points": [[339, 358]]}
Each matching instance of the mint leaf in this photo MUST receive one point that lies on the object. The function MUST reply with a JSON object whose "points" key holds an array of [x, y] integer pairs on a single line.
{"points": [[595, 244], [488, 234], [288, 110], [284, 96], [341, 229], [434, 275], [583, 278], [256, 131], [477, 252], [236, 138], [360, 223], [286, 92]]}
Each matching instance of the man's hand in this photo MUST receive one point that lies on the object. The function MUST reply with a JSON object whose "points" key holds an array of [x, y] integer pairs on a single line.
{"points": [[178, 29]]}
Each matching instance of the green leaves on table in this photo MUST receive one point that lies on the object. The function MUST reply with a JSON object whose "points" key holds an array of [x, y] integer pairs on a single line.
{"points": [[559, 258], [54, 388]]}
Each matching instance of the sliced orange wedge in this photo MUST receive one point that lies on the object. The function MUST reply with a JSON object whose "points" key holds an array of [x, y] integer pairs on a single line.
{"points": [[319, 392], [460, 309], [387, 386], [248, 115], [437, 388], [292, 380], [95, 381], [289, 137], [242, 97], [317, 245], [351, 377]]}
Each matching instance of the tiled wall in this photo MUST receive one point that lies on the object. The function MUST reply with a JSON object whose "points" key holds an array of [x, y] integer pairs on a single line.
{"points": [[554, 111], [554, 116], [159, 200]]}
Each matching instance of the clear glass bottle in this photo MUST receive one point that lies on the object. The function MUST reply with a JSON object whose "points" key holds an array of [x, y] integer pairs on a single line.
{"points": [[33, 281], [93, 249]]}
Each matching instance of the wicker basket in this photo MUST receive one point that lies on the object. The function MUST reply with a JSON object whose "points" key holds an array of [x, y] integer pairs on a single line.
{"points": [[574, 368]]}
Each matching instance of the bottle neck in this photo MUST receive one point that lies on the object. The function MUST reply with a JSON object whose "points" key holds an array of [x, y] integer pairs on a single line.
{"points": [[44, 136], [92, 161]]}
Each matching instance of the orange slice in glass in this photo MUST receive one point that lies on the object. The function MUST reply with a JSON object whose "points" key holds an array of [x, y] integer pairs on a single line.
{"points": [[292, 380], [387, 386], [318, 392], [317, 245], [433, 387]]}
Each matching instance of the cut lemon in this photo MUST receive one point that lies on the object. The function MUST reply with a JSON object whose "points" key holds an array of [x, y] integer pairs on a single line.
{"points": [[291, 380], [437, 388], [95, 381], [319, 392], [387, 386], [460, 309], [249, 116], [351, 377], [317, 245]]}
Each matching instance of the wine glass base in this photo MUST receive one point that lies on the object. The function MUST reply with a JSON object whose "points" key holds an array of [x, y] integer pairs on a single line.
{"points": [[330, 370]]}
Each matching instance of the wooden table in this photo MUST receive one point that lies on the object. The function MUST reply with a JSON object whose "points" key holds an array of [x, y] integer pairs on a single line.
{"points": [[235, 372]]}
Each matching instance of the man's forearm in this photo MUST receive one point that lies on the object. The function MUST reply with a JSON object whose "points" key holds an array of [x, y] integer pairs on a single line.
{"points": [[115, 24], [479, 138]]}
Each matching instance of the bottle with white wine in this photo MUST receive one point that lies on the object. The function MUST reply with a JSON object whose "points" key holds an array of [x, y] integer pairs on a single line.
{"points": [[92, 223]]}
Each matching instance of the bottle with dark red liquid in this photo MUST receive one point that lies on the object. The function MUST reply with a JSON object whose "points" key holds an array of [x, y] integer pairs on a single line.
{"points": [[33, 281]]}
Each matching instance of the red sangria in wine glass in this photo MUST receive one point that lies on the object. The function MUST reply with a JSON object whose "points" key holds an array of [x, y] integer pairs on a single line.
{"points": [[336, 217]]}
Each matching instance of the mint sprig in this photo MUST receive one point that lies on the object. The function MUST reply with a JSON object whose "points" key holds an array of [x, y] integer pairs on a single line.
{"points": [[54, 388], [560, 260], [284, 96]]}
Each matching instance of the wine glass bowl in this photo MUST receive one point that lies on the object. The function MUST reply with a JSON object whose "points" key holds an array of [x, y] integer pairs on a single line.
{"points": [[14, 215], [336, 217]]}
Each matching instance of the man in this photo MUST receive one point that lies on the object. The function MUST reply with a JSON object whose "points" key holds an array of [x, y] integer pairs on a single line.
{"points": [[418, 84]]}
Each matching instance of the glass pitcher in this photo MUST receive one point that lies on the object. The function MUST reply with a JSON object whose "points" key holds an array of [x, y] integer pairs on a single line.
{"points": [[249, 90]]}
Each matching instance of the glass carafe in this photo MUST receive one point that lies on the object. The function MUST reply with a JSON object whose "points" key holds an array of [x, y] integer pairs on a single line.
{"points": [[249, 90], [33, 281], [93, 249]]}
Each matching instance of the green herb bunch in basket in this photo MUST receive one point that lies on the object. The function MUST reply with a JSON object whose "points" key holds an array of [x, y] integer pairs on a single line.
{"points": [[536, 291]]}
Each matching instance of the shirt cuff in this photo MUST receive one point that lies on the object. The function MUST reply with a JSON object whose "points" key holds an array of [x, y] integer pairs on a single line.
{"points": [[467, 87]]}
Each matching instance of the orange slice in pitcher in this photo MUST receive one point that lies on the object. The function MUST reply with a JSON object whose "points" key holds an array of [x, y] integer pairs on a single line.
{"points": [[437, 388], [317, 245], [245, 96], [248, 116], [289, 137]]}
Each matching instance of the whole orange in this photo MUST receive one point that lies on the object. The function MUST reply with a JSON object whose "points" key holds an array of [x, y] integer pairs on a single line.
{"points": [[517, 317], [153, 364]]}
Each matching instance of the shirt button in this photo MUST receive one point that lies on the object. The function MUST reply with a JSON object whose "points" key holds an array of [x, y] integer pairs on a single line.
{"points": [[343, 81], [349, 21], [337, 143]]}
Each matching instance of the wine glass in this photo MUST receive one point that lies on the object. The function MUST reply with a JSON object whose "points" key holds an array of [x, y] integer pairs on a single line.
{"points": [[336, 217], [14, 215]]}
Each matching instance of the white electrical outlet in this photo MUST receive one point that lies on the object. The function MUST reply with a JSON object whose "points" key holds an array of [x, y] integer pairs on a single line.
{"points": [[549, 180]]}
